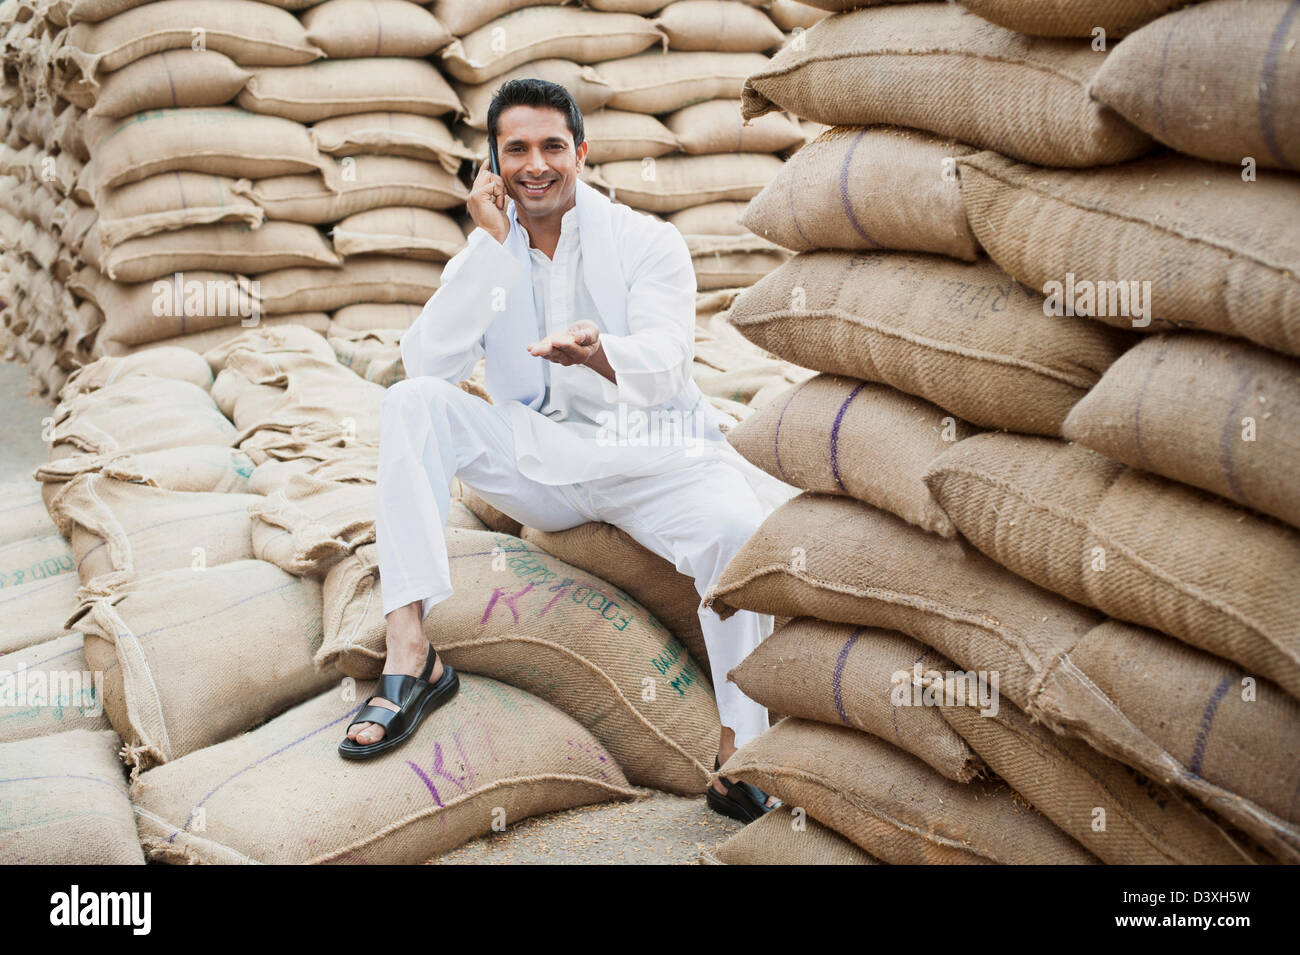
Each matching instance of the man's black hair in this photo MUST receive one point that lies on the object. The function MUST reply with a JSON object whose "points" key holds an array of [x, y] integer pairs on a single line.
{"points": [[535, 92]]}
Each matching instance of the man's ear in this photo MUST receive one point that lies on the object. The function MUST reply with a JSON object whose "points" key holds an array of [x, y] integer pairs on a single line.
{"points": [[582, 153]]}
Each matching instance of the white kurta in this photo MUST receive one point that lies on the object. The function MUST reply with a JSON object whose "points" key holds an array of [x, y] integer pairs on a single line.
{"points": [[652, 362]]}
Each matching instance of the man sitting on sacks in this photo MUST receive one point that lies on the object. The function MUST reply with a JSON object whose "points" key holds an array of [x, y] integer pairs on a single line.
{"points": [[585, 310]]}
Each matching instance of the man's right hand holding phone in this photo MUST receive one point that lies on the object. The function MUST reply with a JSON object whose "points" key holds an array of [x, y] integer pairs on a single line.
{"points": [[487, 204]]}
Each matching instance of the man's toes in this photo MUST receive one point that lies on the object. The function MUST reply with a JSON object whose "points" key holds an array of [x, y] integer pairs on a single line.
{"points": [[355, 731], [373, 734]]}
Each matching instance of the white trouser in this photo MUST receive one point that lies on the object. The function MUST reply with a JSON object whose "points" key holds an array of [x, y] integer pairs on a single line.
{"points": [[696, 516]]}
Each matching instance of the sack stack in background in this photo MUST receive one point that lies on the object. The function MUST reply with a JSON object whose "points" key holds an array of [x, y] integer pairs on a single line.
{"points": [[1176, 720]]}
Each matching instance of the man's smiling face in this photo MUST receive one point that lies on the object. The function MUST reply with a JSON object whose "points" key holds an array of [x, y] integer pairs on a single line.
{"points": [[538, 161]]}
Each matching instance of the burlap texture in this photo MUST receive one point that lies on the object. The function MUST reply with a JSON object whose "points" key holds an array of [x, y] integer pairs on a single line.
{"points": [[269, 339], [781, 838], [312, 522], [716, 126], [281, 794], [717, 25], [894, 806], [337, 87], [614, 134], [184, 669], [1068, 781], [231, 246], [1221, 254], [607, 552], [845, 675], [526, 618], [399, 230], [1218, 80], [391, 134], [139, 414], [1179, 715], [942, 69], [66, 802], [679, 182], [162, 362], [168, 79], [904, 195], [365, 278], [836, 435], [141, 530], [69, 701], [1204, 410], [198, 467], [657, 82], [1071, 17], [963, 335], [387, 28], [1131, 544]]}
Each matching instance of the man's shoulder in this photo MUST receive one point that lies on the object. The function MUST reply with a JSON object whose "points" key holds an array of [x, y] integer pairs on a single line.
{"points": [[640, 234]]}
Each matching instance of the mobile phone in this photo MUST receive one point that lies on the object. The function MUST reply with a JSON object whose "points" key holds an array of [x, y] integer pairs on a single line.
{"points": [[492, 156]]}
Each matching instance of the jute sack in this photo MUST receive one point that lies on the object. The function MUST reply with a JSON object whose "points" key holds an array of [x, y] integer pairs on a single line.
{"points": [[715, 270], [407, 231], [860, 677], [219, 139], [141, 530], [139, 414], [711, 218], [315, 441], [367, 278], [163, 362], [37, 611], [338, 87], [269, 339], [492, 747], [716, 25], [195, 467], [1140, 821], [942, 69], [228, 246], [1185, 718], [67, 802], [465, 16], [93, 11], [779, 838], [365, 317], [140, 312], [552, 630], [374, 182], [677, 182], [905, 196], [569, 33], [312, 523], [1220, 254], [893, 805], [612, 554], [1071, 17], [168, 79], [807, 559], [1232, 437], [354, 465], [789, 14], [1217, 80], [616, 134], [835, 435], [212, 337], [962, 335], [183, 669], [357, 349], [1131, 544], [716, 126], [22, 512], [34, 559], [169, 201], [249, 33], [589, 89], [388, 28], [658, 82], [47, 688], [403, 134]]}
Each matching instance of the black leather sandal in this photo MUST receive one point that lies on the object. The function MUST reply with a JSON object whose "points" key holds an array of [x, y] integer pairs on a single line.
{"points": [[415, 696], [743, 801]]}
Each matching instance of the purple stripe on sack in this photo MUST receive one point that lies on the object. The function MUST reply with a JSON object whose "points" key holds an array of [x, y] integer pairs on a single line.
{"points": [[1207, 721], [1159, 102], [776, 439], [171, 82], [427, 781], [837, 678], [835, 436], [239, 772], [1268, 86], [1230, 436], [844, 193], [1137, 403]]}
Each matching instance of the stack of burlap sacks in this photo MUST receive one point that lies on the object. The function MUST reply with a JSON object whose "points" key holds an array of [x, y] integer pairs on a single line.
{"points": [[214, 564], [1095, 505]]}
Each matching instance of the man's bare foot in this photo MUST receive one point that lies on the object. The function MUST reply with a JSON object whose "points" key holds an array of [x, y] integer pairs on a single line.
{"points": [[408, 649], [726, 748]]}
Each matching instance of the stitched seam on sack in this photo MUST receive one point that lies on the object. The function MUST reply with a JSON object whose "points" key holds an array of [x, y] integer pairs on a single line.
{"points": [[189, 837], [671, 743], [820, 58], [434, 810], [874, 593], [1182, 587], [829, 786], [824, 314], [112, 526], [1096, 209], [103, 606]]}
